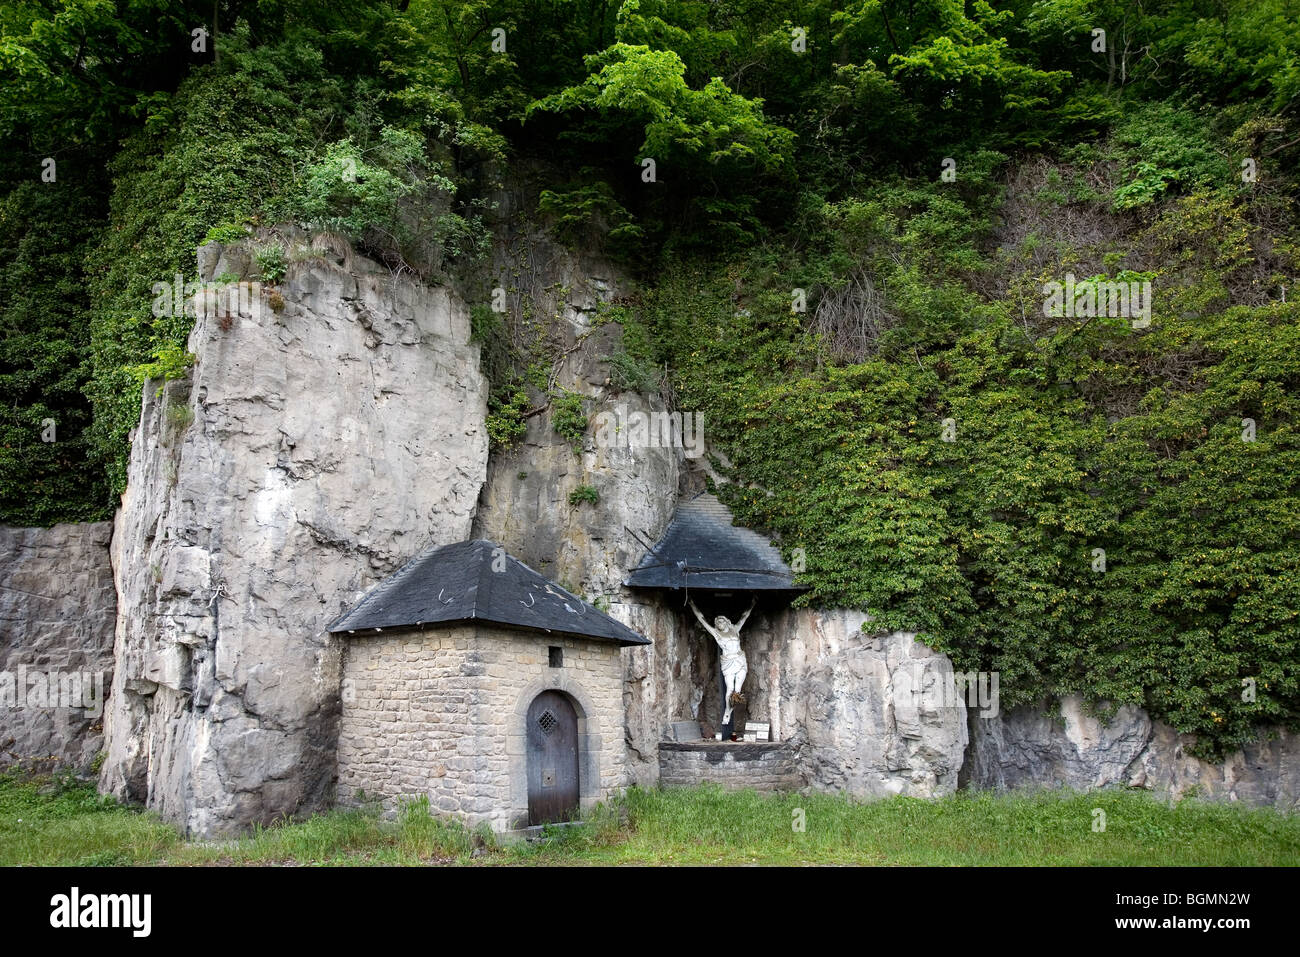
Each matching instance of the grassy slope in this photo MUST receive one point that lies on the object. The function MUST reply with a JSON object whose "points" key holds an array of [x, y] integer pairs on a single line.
{"points": [[72, 825]]}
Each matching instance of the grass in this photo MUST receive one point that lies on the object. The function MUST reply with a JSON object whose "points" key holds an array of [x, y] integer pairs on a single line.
{"points": [[53, 821], [58, 821]]}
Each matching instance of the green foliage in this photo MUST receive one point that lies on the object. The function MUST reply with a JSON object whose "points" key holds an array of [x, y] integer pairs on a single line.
{"points": [[271, 264], [1243, 48], [505, 419], [378, 196], [170, 362], [584, 493], [590, 212], [1161, 144], [569, 418], [226, 233], [696, 137], [709, 126], [45, 231], [630, 374], [1069, 437]]}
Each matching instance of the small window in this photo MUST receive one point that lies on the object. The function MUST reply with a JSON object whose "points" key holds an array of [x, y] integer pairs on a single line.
{"points": [[557, 656]]}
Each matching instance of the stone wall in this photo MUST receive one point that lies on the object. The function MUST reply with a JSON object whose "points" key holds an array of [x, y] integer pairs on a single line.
{"points": [[441, 713], [57, 609], [311, 451], [765, 766]]}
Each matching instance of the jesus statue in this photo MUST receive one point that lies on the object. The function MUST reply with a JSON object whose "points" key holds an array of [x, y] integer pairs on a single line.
{"points": [[734, 665]]}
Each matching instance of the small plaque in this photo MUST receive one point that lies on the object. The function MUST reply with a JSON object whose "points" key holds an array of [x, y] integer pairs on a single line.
{"points": [[758, 731], [686, 731]]}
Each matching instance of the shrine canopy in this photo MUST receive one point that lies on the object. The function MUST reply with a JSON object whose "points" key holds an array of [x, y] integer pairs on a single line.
{"points": [[702, 550]]}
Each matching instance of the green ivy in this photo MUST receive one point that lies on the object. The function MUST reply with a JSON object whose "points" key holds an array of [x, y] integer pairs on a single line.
{"points": [[569, 418]]}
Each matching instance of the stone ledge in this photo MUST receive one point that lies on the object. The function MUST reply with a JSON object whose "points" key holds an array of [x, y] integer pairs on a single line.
{"points": [[760, 765], [718, 750]]}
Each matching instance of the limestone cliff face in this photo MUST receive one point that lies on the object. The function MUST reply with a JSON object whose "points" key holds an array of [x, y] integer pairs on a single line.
{"points": [[1029, 748], [590, 547], [309, 453], [525, 503]]}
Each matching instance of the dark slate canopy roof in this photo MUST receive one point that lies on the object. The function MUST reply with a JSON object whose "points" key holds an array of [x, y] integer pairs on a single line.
{"points": [[478, 581], [703, 549]]}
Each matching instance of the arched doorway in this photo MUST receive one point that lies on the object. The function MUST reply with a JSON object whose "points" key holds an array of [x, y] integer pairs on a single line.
{"points": [[552, 753]]}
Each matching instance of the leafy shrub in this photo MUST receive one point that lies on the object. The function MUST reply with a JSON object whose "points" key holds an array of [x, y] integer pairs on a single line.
{"points": [[226, 233], [391, 198], [584, 493], [271, 264], [1160, 145], [589, 212], [629, 374], [505, 419], [569, 418]]}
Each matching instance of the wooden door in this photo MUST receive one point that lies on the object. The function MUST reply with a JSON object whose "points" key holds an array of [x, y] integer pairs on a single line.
{"points": [[552, 759]]}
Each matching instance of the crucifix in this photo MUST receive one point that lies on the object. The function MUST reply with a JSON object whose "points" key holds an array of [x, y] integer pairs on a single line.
{"points": [[734, 665]]}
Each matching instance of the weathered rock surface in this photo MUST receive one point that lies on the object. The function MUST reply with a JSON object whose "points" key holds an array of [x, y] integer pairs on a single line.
{"points": [[525, 503], [866, 710], [1028, 748], [57, 611], [309, 454]]}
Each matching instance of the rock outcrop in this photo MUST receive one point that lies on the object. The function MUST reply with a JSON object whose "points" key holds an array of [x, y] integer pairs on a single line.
{"points": [[57, 612], [1030, 748], [314, 448], [872, 712]]}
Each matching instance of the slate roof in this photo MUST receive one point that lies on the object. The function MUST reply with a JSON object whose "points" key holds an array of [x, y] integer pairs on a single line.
{"points": [[478, 581], [703, 549]]}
